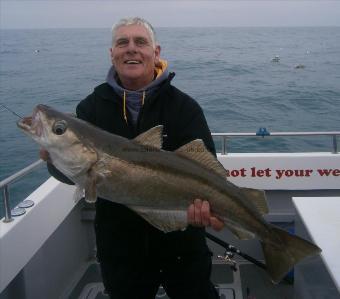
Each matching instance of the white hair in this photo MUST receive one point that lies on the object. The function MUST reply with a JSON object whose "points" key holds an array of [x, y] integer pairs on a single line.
{"points": [[134, 21]]}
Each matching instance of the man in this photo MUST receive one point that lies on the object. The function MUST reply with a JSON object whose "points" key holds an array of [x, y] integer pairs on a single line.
{"points": [[135, 257]]}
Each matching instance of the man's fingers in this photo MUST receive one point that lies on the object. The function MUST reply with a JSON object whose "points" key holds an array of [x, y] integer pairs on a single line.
{"points": [[191, 214], [205, 213], [198, 214], [198, 206]]}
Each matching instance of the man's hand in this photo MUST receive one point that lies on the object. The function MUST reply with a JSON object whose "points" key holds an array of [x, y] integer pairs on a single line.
{"points": [[44, 155], [199, 215]]}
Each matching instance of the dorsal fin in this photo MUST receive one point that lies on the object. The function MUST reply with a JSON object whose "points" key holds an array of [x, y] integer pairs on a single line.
{"points": [[152, 137], [258, 198], [196, 150]]}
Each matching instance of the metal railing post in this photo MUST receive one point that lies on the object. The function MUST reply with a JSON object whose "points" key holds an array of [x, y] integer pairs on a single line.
{"points": [[5, 191], [224, 146], [335, 145], [8, 214]]}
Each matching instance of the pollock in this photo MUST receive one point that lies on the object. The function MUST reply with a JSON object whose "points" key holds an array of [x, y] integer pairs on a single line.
{"points": [[160, 185]]}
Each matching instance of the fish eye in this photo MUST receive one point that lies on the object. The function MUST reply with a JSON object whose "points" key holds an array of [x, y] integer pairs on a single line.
{"points": [[59, 127]]}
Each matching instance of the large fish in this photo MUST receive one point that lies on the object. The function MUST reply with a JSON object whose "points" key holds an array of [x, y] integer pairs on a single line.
{"points": [[160, 185]]}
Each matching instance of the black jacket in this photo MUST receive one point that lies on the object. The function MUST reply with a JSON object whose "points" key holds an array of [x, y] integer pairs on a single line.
{"points": [[183, 121]]}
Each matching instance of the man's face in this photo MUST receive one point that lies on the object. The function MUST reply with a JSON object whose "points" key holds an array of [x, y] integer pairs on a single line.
{"points": [[134, 56]]}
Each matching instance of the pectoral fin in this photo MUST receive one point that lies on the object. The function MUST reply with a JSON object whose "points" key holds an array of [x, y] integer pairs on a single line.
{"points": [[90, 187], [90, 190], [78, 194]]}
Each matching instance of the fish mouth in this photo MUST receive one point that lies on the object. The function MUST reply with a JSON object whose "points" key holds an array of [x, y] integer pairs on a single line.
{"points": [[32, 124]]}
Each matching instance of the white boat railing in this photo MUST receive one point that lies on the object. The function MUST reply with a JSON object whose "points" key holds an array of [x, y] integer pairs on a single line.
{"points": [[262, 132], [4, 186]]}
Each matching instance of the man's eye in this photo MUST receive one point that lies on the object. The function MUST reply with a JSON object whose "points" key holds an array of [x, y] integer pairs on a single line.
{"points": [[141, 41], [122, 42]]}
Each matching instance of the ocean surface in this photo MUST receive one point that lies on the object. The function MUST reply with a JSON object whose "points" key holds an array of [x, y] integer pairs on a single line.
{"points": [[229, 71]]}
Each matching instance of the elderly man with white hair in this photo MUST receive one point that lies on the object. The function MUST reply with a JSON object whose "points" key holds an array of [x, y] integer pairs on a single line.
{"points": [[135, 257]]}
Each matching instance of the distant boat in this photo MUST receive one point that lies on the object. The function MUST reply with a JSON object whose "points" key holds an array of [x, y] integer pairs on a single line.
{"points": [[299, 66], [276, 58]]}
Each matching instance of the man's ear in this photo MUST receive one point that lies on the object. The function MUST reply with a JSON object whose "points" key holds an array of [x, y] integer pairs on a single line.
{"points": [[157, 53], [111, 54]]}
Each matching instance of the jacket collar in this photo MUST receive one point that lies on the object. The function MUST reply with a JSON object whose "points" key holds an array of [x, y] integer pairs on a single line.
{"points": [[107, 92]]}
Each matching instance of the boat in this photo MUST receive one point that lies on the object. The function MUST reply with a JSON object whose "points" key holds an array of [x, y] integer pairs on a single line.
{"points": [[47, 243], [276, 58]]}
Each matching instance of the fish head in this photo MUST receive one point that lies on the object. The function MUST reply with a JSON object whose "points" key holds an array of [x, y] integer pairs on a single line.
{"points": [[63, 136]]}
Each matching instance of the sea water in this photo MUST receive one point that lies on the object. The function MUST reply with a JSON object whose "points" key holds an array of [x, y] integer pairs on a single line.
{"points": [[229, 71]]}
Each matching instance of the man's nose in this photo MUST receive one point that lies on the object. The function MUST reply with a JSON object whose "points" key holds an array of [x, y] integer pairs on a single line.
{"points": [[131, 46]]}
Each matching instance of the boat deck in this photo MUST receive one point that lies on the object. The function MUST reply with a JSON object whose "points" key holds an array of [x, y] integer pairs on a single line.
{"points": [[247, 282]]}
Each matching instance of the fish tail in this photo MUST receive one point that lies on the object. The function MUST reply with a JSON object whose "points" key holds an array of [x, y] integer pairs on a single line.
{"points": [[281, 258]]}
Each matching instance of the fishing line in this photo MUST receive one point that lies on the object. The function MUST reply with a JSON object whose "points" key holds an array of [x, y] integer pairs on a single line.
{"points": [[10, 110]]}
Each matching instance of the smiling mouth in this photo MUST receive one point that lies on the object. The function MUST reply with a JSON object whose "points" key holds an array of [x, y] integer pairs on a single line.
{"points": [[132, 62]]}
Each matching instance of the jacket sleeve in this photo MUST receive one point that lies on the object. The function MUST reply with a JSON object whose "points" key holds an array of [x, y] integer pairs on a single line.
{"points": [[83, 110]]}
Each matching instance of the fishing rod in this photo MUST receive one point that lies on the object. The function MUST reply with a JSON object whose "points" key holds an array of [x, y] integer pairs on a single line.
{"points": [[230, 250], [233, 249], [10, 110]]}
